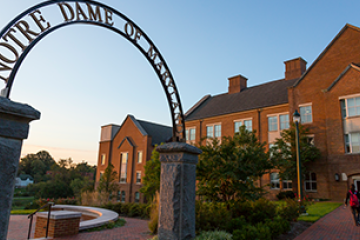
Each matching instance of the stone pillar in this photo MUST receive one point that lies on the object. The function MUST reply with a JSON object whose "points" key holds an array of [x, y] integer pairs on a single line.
{"points": [[177, 191], [14, 127]]}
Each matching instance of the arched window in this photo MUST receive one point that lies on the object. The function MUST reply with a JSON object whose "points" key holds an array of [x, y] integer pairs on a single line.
{"points": [[274, 181], [310, 182], [122, 196], [118, 196], [137, 197]]}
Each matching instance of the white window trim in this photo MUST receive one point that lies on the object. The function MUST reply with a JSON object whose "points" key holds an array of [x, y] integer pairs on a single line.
{"points": [[141, 160], [305, 104], [213, 125], [278, 120], [138, 183], [101, 158], [243, 122], [312, 112], [310, 181], [271, 188], [347, 109], [351, 149], [188, 129], [277, 123], [127, 161], [349, 96]]}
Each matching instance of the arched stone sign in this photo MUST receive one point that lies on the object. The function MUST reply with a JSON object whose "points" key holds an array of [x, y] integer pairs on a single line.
{"points": [[27, 29]]}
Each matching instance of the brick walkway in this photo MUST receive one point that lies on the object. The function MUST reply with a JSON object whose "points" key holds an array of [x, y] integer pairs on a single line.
{"points": [[134, 229], [335, 225]]}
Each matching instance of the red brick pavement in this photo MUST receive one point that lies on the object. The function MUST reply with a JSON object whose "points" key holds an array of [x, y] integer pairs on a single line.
{"points": [[335, 225], [134, 229]]}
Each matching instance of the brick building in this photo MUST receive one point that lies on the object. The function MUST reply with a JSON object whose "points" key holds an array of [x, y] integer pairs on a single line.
{"points": [[128, 147], [327, 95]]}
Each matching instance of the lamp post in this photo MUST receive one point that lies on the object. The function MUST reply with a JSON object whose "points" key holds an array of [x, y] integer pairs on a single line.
{"points": [[296, 120]]}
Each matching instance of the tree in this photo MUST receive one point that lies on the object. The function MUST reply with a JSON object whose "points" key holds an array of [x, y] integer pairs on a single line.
{"points": [[108, 183], [151, 180], [283, 153], [31, 165], [228, 168]]}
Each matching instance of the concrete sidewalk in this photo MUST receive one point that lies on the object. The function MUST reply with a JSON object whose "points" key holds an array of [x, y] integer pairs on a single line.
{"points": [[336, 225]]}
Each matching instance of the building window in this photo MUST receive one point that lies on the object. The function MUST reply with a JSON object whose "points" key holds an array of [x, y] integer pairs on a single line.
{"points": [[284, 121], [352, 143], [101, 174], [123, 196], [239, 123], [103, 158], [310, 182], [213, 131], [139, 160], [272, 123], [350, 107], [306, 114], [190, 134], [118, 196], [287, 184], [137, 197], [138, 177], [274, 181], [124, 160], [310, 140]]}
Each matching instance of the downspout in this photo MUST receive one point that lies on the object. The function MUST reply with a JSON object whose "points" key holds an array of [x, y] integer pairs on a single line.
{"points": [[259, 127]]}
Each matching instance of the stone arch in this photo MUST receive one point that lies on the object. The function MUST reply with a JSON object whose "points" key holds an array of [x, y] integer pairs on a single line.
{"points": [[91, 13]]}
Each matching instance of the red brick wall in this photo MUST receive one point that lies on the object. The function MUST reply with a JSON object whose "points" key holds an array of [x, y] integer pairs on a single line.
{"points": [[57, 228]]}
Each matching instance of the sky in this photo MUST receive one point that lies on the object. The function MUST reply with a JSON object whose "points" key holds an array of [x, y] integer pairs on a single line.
{"points": [[83, 77]]}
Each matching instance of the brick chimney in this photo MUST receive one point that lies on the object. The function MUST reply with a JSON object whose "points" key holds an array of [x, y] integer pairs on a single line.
{"points": [[294, 68], [237, 84]]}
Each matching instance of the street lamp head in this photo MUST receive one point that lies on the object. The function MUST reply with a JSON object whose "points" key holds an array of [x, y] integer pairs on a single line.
{"points": [[296, 116]]}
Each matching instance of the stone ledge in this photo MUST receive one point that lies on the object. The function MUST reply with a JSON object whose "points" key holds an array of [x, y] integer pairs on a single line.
{"points": [[104, 215], [18, 109], [178, 147], [59, 215]]}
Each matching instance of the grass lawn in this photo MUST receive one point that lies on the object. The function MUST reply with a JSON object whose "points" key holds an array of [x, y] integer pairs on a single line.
{"points": [[318, 210], [23, 211]]}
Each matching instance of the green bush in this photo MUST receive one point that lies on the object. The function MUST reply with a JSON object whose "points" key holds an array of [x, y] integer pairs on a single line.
{"points": [[117, 207], [135, 210], [277, 226], [211, 216], [154, 214], [236, 223], [286, 195], [32, 205], [262, 209], [260, 231], [215, 235], [289, 210]]}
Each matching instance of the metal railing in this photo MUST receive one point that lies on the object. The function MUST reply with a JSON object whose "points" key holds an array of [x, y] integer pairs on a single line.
{"points": [[50, 204]]}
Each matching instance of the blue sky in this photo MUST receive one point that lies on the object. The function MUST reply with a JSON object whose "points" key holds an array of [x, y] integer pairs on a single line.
{"points": [[82, 77]]}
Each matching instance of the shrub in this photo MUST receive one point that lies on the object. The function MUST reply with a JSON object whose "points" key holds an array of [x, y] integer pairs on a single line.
{"points": [[125, 208], [211, 216], [134, 210], [262, 209], [32, 205], [154, 214], [289, 211], [117, 207], [236, 223], [259, 231], [277, 226], [286, 195], [215, 235]]}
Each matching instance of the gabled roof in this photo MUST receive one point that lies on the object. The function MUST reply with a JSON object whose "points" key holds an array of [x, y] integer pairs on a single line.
{"points": [[159, 133], [260, 96], [128, 140], [325, 50], [351, 66], [23, 177]]}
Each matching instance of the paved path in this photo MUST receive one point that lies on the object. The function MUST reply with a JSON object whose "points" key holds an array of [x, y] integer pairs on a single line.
{"points": [[335, 225], [134, 229]]}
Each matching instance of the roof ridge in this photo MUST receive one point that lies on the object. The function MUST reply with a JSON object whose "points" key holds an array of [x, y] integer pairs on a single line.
{"points": [[259, 85]]}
